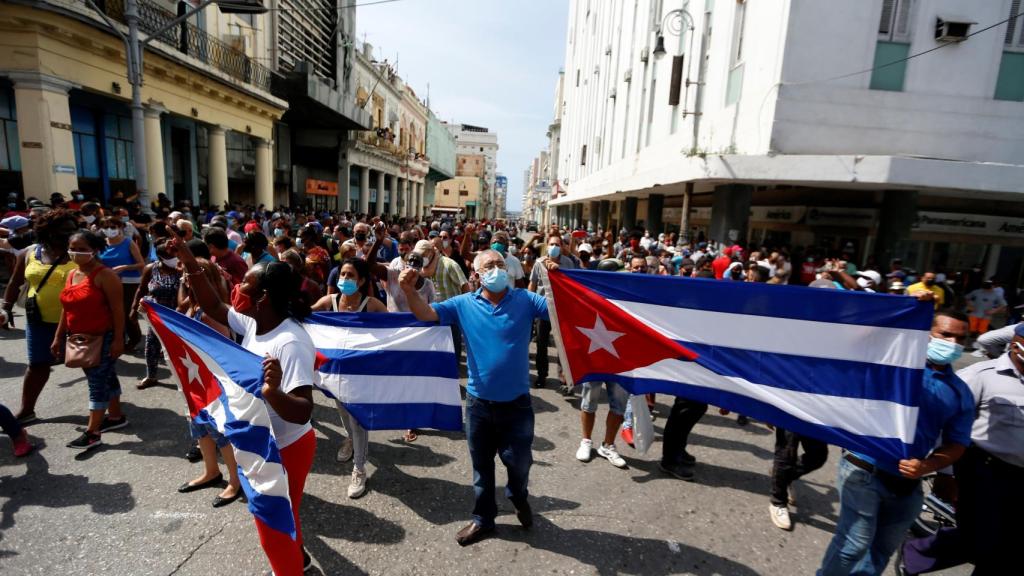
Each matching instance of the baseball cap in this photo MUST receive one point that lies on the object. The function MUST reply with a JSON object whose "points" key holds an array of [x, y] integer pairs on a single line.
{"points": [[12, 223], [234, 215], [871, 275], [1019, 330], [422, 247], [586, 248]]}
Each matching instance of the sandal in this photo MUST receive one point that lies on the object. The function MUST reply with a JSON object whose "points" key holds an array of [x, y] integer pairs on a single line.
{"points": [[411, 435]]}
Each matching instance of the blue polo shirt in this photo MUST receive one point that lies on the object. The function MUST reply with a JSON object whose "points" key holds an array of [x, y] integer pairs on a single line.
{"points": [[497, 339], [946, 410]]}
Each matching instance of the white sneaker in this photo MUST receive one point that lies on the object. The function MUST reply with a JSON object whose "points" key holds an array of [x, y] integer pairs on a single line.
{"points": [[780, 516], [585, 450], [345, 451], [357, 487], [609, 453]]}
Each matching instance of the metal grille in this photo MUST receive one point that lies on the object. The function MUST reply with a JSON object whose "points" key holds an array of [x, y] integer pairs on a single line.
{"points": [[305, 28], [189, 39]]}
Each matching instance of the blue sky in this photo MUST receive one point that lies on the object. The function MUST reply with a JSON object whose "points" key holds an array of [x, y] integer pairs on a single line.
{"points": [[491, 63]]}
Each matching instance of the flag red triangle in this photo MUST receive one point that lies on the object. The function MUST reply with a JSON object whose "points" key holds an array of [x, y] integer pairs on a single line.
{"points": [[198, 383], [601, 338]]}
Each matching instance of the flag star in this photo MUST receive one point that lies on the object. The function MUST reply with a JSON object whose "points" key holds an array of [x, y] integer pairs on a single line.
{"points": [[601, 338], [192, 367]]}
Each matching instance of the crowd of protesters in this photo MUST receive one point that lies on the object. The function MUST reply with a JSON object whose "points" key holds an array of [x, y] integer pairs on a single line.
{"points": [[80, 269]]}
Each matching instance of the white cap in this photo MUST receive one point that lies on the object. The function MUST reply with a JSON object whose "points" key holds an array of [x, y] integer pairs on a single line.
{"points": [[871, 275], [422, 247], [586, 248]]}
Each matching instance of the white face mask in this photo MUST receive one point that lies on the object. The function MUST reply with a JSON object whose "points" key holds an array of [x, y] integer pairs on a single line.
{"points": [[111, 232], [426, 262], [169, 262], [89, 219]]}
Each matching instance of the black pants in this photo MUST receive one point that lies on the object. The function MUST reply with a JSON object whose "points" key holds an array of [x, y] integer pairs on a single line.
{"points": [[790, 465], [988, 515], [681, 419], [543, 340]]}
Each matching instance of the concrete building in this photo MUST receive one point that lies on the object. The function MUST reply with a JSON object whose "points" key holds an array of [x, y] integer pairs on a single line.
{"points": [[459, 195], [808, 124], [500, 195], [441, 155], [475, 140], [210, 111], [388, 164]]}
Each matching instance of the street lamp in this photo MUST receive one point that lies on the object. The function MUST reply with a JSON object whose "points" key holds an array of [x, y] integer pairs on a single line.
{"points": [[679, 18], [134, 47]]}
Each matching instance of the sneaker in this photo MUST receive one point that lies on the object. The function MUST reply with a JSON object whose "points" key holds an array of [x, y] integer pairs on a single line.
{"points": [[688, 458], [109, 424], [27, 419], [780, 516], [584, 451], [608, 452], [21, 445], [307, 560], [627, 436], [357, 487], [681, 471], [86, 441], [345, 451], [539, 382]]}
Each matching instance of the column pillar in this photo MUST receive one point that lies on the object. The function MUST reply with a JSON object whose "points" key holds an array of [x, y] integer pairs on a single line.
{"points": [[344, 183], [419, 200], [603, 210], [629, 213], [402, 185], [264, 174], [155, 176], [217, 167], [44, 132], [895, 219], [730, 213], [595, 207], [364, 189], [394, 195], [655, 205], [378, 207]]}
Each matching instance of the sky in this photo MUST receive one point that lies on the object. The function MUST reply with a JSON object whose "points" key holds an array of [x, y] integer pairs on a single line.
{"points": [[491, 63]]}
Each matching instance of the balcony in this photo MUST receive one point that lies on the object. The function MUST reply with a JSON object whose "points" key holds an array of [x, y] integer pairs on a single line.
{"points": [[189, 39]]}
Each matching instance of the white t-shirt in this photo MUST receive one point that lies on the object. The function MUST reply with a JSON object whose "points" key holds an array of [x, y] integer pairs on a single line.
{"points": [[290, 344], [397, 302], [515, 268]]}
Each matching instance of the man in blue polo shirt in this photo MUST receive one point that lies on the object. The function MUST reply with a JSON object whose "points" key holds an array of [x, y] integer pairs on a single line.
{"points": [[496, 321], [879, 501]]}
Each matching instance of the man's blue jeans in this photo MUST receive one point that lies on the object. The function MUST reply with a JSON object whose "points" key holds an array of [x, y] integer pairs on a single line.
{"points": [[872, 523], [504, 429]]}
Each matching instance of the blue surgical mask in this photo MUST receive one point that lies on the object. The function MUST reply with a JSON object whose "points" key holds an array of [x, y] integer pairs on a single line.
{"points": [[347, 286], [495, 280], [298, 242], [943, 352], [278, 231], [554, 251]]}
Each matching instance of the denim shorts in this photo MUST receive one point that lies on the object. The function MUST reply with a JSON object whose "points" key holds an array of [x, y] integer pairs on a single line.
{"points": [[200, 431], [617, 397], [103, 382], [39, 336]]}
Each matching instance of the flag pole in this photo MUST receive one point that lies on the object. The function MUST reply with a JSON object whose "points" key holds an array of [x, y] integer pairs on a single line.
{"points": [[549, 294]]}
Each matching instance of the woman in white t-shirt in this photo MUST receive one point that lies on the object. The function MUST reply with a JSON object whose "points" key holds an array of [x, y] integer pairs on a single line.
{"points": [[265, 309]]}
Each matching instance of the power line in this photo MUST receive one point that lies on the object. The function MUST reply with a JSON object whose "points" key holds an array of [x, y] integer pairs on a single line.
{"points": [[332, 9], [901, 60]]}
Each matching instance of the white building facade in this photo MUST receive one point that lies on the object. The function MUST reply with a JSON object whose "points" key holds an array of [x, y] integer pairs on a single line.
{"points": [[810, 124], [474, 140]]}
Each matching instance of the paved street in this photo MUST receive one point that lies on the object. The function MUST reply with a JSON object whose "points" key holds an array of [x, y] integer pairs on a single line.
{"points": [[115, 510]]}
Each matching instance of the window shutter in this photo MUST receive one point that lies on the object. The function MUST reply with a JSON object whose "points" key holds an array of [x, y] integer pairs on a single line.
{"points": [[885, 24], [1012, 26]]}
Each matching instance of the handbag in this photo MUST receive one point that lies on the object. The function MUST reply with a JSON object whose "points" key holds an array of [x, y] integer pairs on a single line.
{"points": [[32, 311], [83, 350]]}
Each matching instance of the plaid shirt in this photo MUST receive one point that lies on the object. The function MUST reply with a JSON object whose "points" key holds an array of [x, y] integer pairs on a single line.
{"points": [[448, 279]]}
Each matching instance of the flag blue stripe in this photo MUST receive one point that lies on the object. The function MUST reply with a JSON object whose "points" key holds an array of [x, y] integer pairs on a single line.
{"points": [[823, 376], [383, 362], [366, 320], [399, 416], [794, 302], [765, 412], [274, 511]]}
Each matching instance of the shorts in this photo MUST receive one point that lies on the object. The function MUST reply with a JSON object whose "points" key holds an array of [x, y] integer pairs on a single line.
{"points": [[617, 397], [39, 336], [102, 379], [200, 431], [978, 325]]}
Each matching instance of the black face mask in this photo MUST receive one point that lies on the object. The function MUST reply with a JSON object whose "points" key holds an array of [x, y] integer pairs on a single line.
{"points": [[361, 236], [929, 282], [20, 241]]}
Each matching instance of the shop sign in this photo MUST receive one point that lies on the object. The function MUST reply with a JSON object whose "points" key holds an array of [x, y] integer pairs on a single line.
{"points": [[784, 214], [969, 224], [321, 187], [700, 213], [671, 215], [63, 169], [845, 217]]}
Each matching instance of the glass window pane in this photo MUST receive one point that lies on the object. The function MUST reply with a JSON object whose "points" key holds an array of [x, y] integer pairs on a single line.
{"points": [[1010, 83], [89, 163], [13, 149], [126, 127], [122, 164], [889, 77], [76, 140], [130, 160], [111, 146], [110, 125], [82, 120]]}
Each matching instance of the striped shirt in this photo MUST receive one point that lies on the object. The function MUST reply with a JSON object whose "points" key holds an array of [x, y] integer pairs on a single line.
{"points": [[448, 279]]}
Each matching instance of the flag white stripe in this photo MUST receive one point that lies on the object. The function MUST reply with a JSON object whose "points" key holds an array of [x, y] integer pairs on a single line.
{"points": [[900, 347], [878, 418], [363, 389], [412, 338]]}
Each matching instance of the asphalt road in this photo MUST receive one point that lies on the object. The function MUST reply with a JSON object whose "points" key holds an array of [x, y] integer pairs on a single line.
{"points": [[115, 510]]}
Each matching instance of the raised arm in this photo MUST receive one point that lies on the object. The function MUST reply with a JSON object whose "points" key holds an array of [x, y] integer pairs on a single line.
{"points": [[423, 311], [206, 293]]}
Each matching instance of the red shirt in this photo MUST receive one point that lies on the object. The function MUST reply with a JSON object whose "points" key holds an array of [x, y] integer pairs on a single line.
{"points": [[86, 310], [232, 264], [720, 265]]}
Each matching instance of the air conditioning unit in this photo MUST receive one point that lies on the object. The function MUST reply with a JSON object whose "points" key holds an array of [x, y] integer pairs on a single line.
{"points": [[645, 54], [608, 50], [612, 93], [627, 76], [952, 29]]}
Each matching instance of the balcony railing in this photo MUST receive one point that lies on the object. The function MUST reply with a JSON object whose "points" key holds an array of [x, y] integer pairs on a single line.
{"points": [[189, 39]]}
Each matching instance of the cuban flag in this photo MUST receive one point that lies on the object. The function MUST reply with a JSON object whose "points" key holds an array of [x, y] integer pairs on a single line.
{"points": [[390, 371], [222, 384], [843, 367]]}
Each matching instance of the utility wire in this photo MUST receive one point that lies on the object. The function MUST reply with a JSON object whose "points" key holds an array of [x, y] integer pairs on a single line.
{"points": [[332, 9]]}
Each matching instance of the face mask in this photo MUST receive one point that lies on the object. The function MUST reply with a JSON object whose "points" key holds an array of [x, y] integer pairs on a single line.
{"points": [[12, 205], [513, 251], [19, 241], [943, 352], [89, 219], [929, 282], [111, 232], [495, 280], [361, 236], [348, 286], [298, 242], [240, 301], [124, 219], [498, 247], [278, 232], [446, 243], [81, 257], [169, 262], [426, 262], [79, 197], [554, 251]]}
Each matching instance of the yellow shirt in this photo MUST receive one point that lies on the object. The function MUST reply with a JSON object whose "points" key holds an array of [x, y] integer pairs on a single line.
{"points": [[48, 295], [921, 287]]}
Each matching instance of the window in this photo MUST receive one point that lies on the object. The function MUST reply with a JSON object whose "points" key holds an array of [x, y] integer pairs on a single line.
{"points": [[894, 25], [83, 133], [1010, 82], [583, 155], [893, 46], [10, 147], [118, 144], [734, 84]]}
